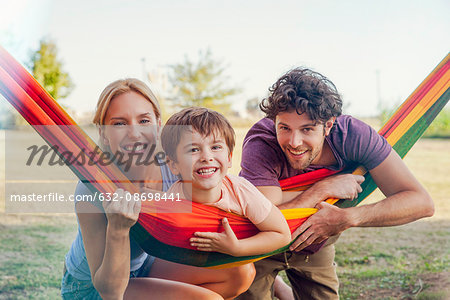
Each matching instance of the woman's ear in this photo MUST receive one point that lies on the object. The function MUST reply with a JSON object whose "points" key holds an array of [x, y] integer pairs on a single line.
{"points": [[103, 139], [230, 160]]}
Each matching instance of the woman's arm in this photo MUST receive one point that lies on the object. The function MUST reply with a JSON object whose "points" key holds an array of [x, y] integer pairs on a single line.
{"points": [[274, 233], [107, 244]]}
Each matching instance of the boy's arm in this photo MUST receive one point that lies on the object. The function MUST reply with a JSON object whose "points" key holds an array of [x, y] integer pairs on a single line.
{"points": [[274, 233]]}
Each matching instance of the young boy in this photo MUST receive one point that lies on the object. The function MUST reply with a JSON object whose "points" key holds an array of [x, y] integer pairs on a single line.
{"points": [[199, 143]]}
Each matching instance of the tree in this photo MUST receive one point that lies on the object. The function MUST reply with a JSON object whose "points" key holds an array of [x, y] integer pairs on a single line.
{"points": [[48, 70], [201, 83], [252, 108]]}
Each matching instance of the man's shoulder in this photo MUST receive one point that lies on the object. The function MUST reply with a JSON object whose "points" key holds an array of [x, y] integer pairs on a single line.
{"points": [[264, 128], [347, 126], [356, 142]]}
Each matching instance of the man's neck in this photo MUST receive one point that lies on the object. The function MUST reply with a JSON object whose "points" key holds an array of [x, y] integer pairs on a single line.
{"points": [[326, 156]]}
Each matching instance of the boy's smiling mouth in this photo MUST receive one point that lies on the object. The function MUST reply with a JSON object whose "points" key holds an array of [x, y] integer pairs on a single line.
{"points": [[206, 171]]}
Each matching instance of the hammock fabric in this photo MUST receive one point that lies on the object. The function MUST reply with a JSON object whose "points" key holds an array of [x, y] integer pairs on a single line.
{"points": [[166, 235]]}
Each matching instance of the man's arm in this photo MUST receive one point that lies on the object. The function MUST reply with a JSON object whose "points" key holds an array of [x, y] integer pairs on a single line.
{"points": [[406, 201], [345, 186]]}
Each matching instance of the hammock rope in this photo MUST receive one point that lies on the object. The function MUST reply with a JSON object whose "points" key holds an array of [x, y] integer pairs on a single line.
{"points": [[166, 235]]}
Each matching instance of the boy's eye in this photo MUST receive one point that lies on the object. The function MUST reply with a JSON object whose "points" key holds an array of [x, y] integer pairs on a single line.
{"points": [[217, 147], [307, 129], [193, 150]]}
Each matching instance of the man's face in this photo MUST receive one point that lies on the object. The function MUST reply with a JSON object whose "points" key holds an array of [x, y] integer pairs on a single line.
{"points": [[301, 138]]}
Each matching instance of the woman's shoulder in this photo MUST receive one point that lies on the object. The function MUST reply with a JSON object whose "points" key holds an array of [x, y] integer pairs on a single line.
{"points": [[83, 194]]}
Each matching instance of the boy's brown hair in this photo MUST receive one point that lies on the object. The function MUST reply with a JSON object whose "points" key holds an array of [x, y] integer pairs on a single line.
{"points": [[203, 120]]}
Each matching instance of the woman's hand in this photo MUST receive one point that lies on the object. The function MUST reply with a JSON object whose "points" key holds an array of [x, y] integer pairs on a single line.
{"points": [[224, 242], [122, 211]]}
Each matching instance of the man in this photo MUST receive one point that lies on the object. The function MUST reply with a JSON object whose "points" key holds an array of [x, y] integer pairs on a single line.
{"points": [[303, 131]]}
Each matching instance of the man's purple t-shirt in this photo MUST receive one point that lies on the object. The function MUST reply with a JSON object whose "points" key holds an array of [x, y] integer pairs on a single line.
{"points": [[353, 143]]}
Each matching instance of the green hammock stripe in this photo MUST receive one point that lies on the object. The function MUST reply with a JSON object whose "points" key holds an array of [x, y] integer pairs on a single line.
{"points": [[402, 147]]}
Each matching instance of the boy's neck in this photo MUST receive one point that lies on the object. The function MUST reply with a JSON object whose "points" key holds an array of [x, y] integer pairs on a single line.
{"points": [[201, 195]]}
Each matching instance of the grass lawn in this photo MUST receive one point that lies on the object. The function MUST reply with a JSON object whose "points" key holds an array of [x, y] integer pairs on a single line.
{"points": [[404, 262]]}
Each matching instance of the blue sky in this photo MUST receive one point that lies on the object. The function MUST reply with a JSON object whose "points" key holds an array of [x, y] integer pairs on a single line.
{"points": [[348, 41]]}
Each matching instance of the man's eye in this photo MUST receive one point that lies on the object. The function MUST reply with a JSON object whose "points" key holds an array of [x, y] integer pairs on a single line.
{"points": [[284, 128], [307, 129]]}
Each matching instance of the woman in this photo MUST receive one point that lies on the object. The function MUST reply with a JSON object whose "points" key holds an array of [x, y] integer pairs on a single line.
{"points": [[103, 261]]}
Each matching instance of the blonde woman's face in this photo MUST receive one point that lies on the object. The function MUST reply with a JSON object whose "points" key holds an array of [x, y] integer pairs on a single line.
{"points": [[131, 126]]}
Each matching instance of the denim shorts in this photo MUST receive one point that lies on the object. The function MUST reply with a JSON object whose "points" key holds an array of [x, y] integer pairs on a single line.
{"points": [[73, 288]]}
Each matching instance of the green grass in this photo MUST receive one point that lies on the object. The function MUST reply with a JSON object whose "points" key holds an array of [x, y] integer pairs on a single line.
{"points": [[32, 260]]}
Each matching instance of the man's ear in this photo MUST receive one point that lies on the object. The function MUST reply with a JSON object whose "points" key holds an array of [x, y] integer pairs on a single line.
{"points": [[328, 125]]}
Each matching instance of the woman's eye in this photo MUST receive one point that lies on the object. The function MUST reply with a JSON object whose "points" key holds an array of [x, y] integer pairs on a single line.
{"points": [[145, 121], [119, 123]]}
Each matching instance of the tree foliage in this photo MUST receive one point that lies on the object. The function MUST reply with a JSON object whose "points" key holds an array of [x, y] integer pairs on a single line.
{"points": [[48, 70], [201, 83]]}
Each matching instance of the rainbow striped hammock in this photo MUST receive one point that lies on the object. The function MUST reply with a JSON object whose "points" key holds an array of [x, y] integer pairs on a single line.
{"points": [[165, 235]]}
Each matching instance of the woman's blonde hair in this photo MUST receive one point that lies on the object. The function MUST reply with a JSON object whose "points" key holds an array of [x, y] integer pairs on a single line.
{"points": [[120, 87]]}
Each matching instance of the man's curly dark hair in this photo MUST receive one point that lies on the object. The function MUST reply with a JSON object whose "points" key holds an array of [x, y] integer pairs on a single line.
{"points": [[304, 91]]}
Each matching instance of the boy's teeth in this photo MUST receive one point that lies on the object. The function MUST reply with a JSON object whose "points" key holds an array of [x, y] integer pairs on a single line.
{"points": [[206, 171]]}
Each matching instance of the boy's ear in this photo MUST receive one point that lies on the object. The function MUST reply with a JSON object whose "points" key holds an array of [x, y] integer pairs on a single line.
{"points": [[173, 166], [328, 125]]}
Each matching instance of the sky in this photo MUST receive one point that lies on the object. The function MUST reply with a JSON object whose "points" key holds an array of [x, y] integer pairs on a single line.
{"points": [[349, 41]]}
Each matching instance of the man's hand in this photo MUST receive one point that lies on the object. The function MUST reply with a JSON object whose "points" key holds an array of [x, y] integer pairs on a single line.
{"points": [[329, 220], [224, 242], [345, 186]]}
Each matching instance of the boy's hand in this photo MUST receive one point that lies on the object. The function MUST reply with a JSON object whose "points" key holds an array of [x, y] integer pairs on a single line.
{"points": [[224, 242]]}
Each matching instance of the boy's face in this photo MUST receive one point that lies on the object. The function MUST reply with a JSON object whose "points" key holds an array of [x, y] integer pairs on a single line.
{"points": [[203, 160], [301, 138]]}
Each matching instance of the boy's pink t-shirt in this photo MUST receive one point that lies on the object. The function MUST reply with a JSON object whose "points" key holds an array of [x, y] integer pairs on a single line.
{"points": [[239, 196]]}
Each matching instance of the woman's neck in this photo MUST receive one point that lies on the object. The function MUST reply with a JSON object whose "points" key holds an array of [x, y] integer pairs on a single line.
{"points": [[147, 176]]}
